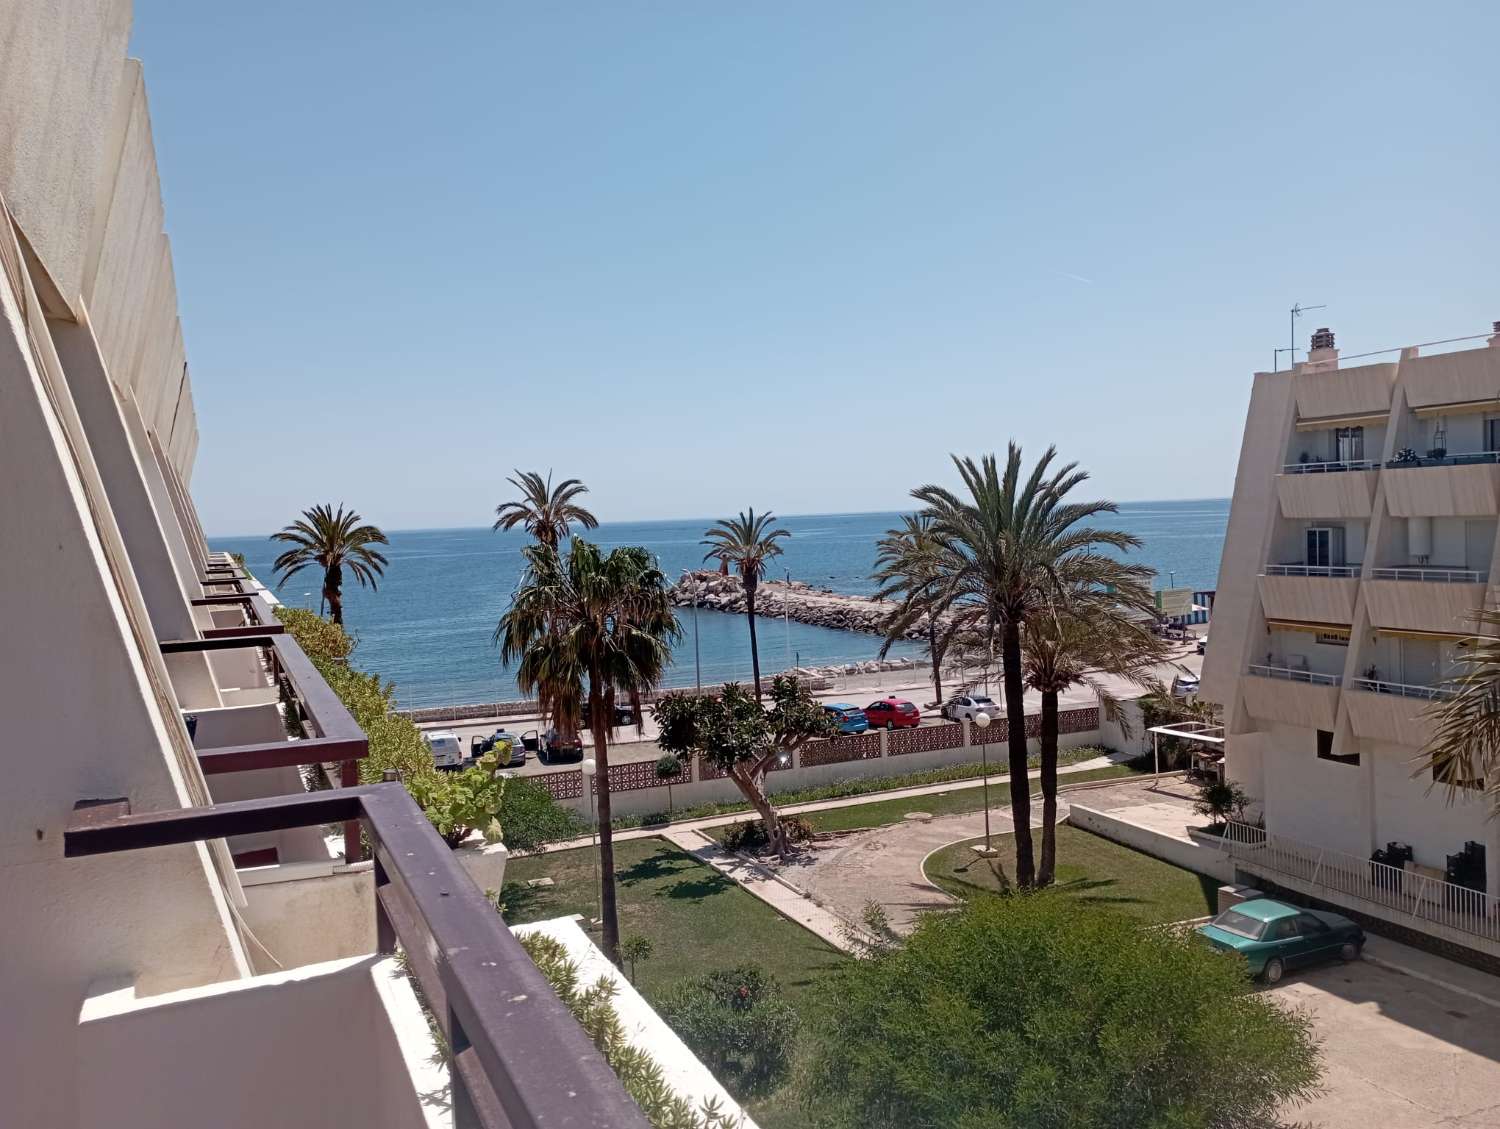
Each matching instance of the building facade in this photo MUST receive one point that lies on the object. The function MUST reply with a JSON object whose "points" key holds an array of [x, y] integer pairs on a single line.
{"points": [[1361, 541]]}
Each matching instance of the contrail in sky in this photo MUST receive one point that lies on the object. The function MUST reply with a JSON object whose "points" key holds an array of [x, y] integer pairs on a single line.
{"points": [[1074, 277]]}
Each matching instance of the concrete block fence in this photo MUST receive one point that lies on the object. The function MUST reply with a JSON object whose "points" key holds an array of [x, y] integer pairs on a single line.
{"points": [[635, 790]]}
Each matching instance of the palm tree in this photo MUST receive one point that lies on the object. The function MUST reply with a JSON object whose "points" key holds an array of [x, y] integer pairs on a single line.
{"points": [[1005, 546], [1464, 751], [545, 511], [602, 620], [1096, 625], [332, 540], [747, 542], [909, 564]]}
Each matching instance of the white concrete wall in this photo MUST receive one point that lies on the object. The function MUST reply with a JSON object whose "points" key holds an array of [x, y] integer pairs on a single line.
{"points": [[304, 1049], [1405, 811], [1179, 852], [1323, 802]]}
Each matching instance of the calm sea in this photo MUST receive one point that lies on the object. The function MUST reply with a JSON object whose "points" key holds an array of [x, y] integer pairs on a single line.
{"points": [[429, 626]]}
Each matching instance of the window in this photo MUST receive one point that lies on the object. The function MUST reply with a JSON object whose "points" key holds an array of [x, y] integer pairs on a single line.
{"points": [[1492, 435], [1325, 749], [1331, 639], [1348, 444], [1460, 775], [1310, 925], [1284, 930]]}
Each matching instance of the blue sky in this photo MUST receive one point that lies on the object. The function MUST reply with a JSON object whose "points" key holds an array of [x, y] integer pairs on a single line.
{"points": [[705, 255]]}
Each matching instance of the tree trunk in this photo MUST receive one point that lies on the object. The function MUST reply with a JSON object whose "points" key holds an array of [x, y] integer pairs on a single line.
{"points": [[937, 659], [1048, 867], [610, 940], [332, 584], [1020, 786], [752, 791], [754, 650]]}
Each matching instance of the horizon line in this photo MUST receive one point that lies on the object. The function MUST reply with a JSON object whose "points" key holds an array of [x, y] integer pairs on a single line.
{"points": [[677, 520]]}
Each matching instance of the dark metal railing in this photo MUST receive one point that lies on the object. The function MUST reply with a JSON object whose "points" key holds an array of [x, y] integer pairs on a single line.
{"points": [[519, 1060]]}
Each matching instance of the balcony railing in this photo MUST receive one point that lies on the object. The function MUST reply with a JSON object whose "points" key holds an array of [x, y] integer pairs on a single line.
{"points": [[1291, 674], [1330, 467], [1401, 689], [1312, 570], [1437, 575], [519, 1058], [1335, 874], [1468, 458]]}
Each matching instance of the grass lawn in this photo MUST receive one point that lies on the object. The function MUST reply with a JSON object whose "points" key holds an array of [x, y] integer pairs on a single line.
{"points": [[1091, 869], [881, 813], [698, 919]]}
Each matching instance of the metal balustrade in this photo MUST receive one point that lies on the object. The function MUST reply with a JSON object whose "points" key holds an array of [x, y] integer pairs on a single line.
{"points": [[1330, 467], [1467, 458], [1290, 674], [1403, 689], [1437, 575], [1335, 874], [1344, 571]]}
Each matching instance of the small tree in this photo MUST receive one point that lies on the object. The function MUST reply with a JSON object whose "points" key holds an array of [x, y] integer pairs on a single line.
{"points": [[737, 1023], [636, 948], [1003, 1013], [1219, 799], [668, 769], [738, 735], [530, 818]]}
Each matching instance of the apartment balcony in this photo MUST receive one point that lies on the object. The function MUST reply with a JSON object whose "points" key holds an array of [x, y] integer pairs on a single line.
{"points": [[1290, 696], [1340, 490], [1392, 712], [1309, 593], [1425, 599], [1459, 485]]}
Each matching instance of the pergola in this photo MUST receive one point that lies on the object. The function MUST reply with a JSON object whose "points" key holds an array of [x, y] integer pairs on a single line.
{"points": [[1196, 732]]}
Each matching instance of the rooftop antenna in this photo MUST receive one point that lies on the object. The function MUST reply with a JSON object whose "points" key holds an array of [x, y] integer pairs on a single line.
{"points": [[1297, 311]]}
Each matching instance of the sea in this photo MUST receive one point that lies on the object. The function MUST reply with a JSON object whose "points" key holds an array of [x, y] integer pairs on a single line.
{"points": [[429, 628]]}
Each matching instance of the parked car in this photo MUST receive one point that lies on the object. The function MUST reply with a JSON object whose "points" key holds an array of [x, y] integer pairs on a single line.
{"points": [[550, 747], [624, 715], [478, 746], [1184, 685], [965, 706], [893, 713], [1202, 644], [447, 749], [850, 719], [1274, 937]]}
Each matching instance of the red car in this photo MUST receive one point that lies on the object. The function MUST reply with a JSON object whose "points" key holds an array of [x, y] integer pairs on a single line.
{"points": [[893, 713]]}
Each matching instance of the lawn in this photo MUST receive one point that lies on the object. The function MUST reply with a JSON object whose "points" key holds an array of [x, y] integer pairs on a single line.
{"points": [[880, 813], [698, 919], [1091, 869]]}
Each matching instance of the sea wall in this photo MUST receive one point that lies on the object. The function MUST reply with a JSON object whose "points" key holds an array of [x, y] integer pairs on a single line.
{"points": [[796, 600]]}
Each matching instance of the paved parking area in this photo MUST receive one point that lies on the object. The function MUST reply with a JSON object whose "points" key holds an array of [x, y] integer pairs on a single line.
{"points": [[1400, 1052]]}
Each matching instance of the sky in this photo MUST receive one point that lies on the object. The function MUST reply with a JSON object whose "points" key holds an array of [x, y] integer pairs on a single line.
{"points": [[707, 255]]}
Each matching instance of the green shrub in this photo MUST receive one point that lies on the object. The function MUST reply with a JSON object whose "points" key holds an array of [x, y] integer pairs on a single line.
{"points": [[737, 1023], [459, 802], [752, 837], [1030, 1011], [532, 819], [321, 639]]}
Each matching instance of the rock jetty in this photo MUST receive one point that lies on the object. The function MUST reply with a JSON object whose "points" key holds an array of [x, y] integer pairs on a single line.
{"points": [[802, 602]]}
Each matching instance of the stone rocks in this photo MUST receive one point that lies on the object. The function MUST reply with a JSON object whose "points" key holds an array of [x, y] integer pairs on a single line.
{"points": [[799, 601]]}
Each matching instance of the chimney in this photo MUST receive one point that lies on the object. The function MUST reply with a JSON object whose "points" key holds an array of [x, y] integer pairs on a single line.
{"points": [[1495, 338], [1322, 350]]}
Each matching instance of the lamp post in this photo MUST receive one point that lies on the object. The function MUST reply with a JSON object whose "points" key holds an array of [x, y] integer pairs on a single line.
{"points": [[786, 617], [590, 766], [982, 720]]}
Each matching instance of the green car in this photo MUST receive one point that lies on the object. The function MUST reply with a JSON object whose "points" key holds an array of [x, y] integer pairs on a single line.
{"points": [[1273, 936]]}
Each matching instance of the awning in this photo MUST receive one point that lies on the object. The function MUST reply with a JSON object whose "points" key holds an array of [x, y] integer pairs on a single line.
{"points": [[1459, 408], [1404, 633], [1323, 423], [1339, 629]]}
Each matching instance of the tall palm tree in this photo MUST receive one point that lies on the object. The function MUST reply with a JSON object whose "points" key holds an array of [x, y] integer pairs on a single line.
{"points": [[333, 540], [604, 622], [546, 512], [1006, 542], [746, 542], [1464, 751], [909, 564], [1095, 626]]}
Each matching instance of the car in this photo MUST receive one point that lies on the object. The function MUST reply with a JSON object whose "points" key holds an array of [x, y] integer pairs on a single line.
{"points": [[1184, 685], [550, 747], [478, 746], [893, 713], [623, 714], [1203, 644], [447, 750], [965, 707], [849, 718], [1274, 937]]}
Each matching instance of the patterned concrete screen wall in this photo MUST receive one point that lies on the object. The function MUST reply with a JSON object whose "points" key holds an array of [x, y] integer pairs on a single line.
{"points": [[926, 739], [862, 747], [631, 776], [1068, 721], [563, 785], [707, 771]]}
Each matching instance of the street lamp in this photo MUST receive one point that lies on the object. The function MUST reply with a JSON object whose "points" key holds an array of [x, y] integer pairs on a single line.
{"points": [[590, 767], [786, 617], [982, 720]]}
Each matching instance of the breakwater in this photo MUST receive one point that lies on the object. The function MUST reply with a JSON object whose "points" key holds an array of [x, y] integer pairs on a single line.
{"points": [[801, 602]]}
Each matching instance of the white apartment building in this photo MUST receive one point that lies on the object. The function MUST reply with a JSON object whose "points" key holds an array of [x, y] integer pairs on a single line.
{"points": [[1361, 540], [180, 943]]}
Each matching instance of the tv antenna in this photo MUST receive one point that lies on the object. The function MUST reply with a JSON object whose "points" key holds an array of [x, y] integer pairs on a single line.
{"points": [[1296, 312]]}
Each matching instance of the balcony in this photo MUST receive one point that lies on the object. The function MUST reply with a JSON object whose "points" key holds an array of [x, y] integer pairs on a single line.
{"points": [[1391, 712], [1306, 494], [1441, 600], [1330, 467], [1455, 486], [1309, 593], [1290, 696]]}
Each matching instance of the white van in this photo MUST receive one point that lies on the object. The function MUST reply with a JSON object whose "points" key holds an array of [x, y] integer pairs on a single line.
{"points": [[447, 751]]}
